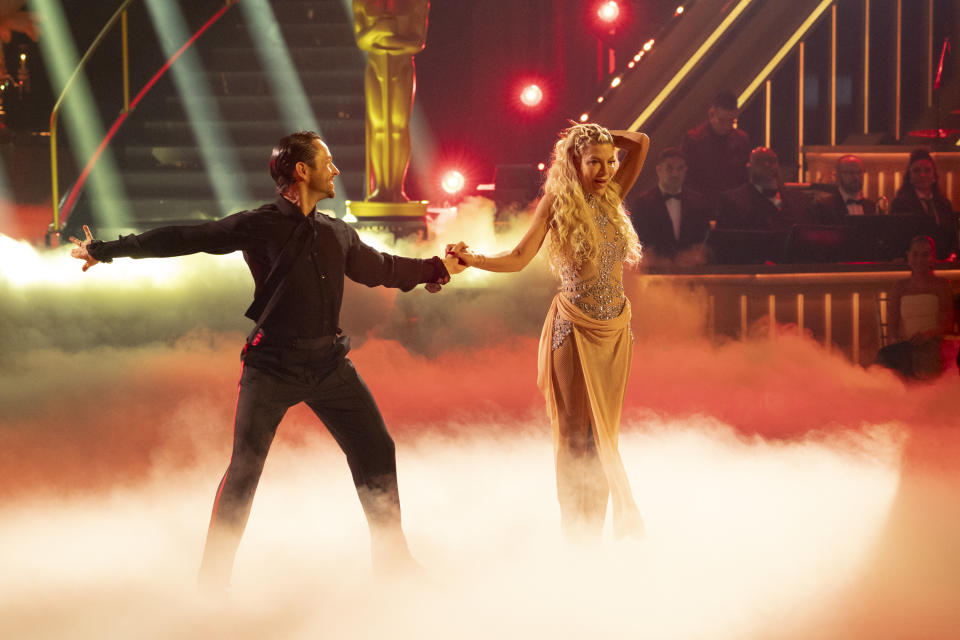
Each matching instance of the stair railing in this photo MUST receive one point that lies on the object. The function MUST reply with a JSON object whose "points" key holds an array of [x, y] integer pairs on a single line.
{"points": [[53, 231]]}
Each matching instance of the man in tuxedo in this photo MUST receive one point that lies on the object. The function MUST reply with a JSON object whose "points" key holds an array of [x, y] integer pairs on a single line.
{"points": [[846, 200], [671, 221], [716, 151], [762, 204]]}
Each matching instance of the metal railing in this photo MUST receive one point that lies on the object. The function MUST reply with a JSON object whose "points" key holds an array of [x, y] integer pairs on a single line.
{"points": [[121, 15]]}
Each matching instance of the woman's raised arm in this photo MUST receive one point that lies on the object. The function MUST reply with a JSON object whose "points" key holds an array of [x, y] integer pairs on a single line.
{"points": [[636, 145]]}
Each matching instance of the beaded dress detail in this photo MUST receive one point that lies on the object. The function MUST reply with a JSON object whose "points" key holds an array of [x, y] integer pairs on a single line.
{"points": [[597, 287]]}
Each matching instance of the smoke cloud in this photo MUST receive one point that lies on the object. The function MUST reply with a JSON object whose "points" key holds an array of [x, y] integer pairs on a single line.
{"points": [[786, 492]]}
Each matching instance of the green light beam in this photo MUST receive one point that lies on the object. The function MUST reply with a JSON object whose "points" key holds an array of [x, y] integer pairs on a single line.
{"points": [[288, 91], [224, 172], [84, 126]]}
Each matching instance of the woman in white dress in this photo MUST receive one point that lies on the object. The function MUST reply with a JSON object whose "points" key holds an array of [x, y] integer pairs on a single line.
{"points": [[919, 314]]}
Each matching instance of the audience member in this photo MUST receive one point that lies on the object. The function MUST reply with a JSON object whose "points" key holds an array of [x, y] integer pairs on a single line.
{"points": [[846, 199], [716, 151], [671, 220], [919, 314], [921, 194], [762, 204]]}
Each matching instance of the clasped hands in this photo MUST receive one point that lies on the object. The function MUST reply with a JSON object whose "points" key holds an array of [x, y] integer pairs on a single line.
{"points": [[464, 256], [456, 258]]}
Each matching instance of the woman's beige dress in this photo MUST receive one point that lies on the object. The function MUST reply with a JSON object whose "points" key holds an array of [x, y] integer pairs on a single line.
{"points": [[585, 351]]}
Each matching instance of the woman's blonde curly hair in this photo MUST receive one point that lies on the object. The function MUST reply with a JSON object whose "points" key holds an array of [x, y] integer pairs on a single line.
{"points": [[574, 238]]}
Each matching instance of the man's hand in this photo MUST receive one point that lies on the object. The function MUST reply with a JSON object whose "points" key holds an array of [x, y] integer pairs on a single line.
{"points": [[463, 255], [80, 251], [453, 264]]}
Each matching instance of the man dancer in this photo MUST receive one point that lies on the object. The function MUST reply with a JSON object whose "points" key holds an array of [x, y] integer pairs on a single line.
{"points": [[298, 258]]}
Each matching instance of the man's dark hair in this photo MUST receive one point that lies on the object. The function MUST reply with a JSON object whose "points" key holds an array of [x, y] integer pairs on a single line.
{"points": [[296, 147], [724, 100], [669, 152], [920, 154]]}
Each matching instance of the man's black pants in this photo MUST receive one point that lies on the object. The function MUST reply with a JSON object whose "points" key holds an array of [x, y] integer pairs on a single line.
{"points": [[343, 402]]}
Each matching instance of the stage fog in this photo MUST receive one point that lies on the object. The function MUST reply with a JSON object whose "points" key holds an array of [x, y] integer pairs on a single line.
{"points": [[786, 492]]}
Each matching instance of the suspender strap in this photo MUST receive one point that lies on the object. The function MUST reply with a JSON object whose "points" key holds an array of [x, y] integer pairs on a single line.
{"points": [[281, 268]]}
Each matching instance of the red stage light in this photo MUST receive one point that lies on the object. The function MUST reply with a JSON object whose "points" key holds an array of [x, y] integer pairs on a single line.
{"points": [[452, 182], [531, 95], [609, 11]]}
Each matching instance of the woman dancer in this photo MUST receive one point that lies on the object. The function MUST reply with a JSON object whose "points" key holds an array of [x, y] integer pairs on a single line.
{"points": [[586, 344]]}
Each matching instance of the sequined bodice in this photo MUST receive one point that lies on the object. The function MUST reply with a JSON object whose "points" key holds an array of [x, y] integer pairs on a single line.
{"points": [[596, 287]]}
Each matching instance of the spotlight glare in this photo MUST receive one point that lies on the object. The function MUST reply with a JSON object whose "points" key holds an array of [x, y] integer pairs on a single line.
{"points": [[616, 82], [599, 99], [531, 95], [609, 11], [679, 10], [648, 45], [452, 182], [541, 166], [584, 117], [631, 64]]}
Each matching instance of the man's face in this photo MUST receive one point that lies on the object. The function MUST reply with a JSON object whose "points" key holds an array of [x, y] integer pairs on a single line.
{"points": [[764, 168], [319, 177], [850, 175], [671, 173], [922, 174], [722, 120]]}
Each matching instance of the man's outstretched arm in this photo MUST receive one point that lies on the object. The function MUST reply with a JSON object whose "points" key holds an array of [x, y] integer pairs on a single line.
{"points": [[374, 268], [220, 236]]}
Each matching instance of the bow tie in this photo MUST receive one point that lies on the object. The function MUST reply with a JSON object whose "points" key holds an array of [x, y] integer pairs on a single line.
{"points": [[670, 196], [858, 201], [770, 193]]}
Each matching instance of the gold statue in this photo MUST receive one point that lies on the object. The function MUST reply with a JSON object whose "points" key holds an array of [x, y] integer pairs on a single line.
{"points": [[391, 32]]}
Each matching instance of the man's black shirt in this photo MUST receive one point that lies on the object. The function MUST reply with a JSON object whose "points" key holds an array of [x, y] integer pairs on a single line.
{"points": [[309, 306]]}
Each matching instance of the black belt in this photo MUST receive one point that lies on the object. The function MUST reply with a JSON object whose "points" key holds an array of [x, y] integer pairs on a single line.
{"points": [[297, 343], [313, 343]]}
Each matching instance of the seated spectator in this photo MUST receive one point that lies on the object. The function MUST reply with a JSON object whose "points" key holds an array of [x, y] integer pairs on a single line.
{"points": [[716, 151], [762, 204], [846, 199], [671, 221], [919, 314], [921, 194]]}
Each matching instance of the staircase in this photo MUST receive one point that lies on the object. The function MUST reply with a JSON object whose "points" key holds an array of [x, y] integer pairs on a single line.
{"points": [[167, 179]]}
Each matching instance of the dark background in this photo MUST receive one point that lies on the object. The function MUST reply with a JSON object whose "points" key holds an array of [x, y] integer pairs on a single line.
{"points": [[478, 56]]}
